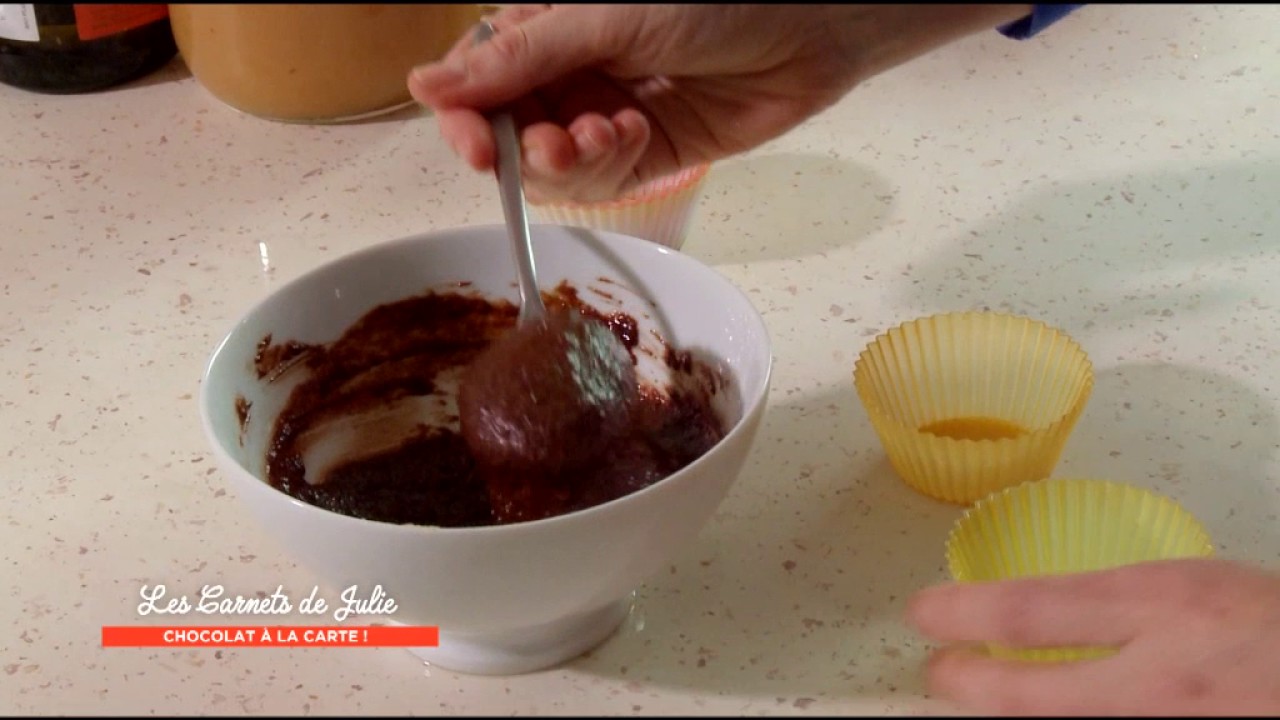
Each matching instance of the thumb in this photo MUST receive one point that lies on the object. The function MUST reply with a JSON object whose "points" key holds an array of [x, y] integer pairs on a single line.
{"points": [[518, 59]]}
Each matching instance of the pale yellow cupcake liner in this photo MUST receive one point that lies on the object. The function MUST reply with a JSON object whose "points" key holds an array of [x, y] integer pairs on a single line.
{"points": [[660, 211], [969, 403], [1061, 526]]}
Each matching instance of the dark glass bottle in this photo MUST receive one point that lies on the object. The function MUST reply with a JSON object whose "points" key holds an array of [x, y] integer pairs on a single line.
{"points": [[82, 48]]}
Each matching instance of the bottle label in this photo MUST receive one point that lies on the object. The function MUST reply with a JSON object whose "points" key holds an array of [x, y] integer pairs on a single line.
{"points": [[97, 21], [18, 22]]}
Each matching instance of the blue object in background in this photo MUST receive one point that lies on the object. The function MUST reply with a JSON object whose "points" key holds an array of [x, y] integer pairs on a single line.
{"points": [[1041, 17]]}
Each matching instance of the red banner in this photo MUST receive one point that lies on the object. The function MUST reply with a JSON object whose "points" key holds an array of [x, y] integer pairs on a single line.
{"points": [[269, 636]]}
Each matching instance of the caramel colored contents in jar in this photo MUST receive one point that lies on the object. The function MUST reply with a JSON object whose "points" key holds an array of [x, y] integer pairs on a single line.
{"points": [[314, 63]]}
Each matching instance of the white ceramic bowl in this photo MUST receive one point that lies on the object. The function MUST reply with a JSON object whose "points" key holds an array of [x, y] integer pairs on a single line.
{"points": [[515, 598]]}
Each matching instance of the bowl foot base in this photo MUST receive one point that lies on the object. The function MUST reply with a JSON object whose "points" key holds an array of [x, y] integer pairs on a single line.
{"points": [[528, 649]]}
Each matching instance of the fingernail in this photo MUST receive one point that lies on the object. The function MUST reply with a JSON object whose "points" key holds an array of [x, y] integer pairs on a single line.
{"points": [[920, 606], [437, 74], [627, 132], [589, 148], [631, 128], [535, 157]]}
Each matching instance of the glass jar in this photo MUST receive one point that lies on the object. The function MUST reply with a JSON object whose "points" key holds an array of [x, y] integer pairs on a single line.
{"points": [[315, 63], [61, 49]]}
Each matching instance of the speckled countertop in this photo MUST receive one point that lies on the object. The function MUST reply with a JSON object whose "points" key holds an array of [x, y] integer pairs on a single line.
{"points": [[1117, 177]]}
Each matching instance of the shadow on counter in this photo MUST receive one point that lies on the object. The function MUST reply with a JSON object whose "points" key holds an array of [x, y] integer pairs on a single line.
{"points": [[1200, 437], [815, 203], [1071, 253], [796, 591]]}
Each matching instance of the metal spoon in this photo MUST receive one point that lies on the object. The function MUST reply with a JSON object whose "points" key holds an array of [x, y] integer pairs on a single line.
{"points": [[532, 309]]}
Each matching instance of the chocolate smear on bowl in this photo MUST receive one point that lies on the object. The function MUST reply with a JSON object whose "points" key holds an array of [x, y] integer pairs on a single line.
{"points": [[271, 360], [243, 406]]}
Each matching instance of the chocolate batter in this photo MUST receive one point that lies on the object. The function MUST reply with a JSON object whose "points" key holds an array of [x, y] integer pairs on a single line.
{"points": [[548, 398], [407, 351]]}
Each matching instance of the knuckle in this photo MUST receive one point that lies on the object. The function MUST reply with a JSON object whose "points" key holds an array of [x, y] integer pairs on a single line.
{"points": [[1197, 591], [1174, 692], [1021, 616], [511, 46], [1153, 582], [1011, 702], [1192, 686], [1188, 589], [1021, 623], [512, 15]]}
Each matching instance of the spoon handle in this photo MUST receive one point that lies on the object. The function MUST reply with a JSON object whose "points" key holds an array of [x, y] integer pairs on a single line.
{"points": [[513, 206]]}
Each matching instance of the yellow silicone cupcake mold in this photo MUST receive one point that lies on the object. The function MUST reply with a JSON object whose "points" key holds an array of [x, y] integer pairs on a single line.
{"points": [[1060, 526], [966, 404], [659, 211]]}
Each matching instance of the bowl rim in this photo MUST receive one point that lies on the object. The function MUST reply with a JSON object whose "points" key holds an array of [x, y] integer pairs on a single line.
{"points": [[752, 403], [881, 413]]}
